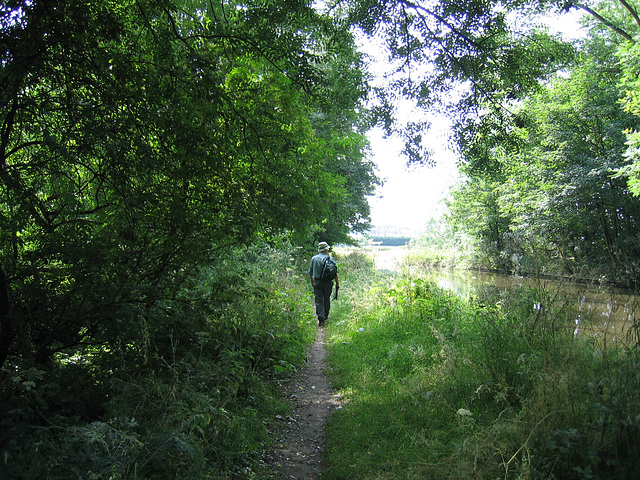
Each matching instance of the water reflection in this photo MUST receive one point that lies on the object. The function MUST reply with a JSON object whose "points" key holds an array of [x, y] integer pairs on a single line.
{"points": [[604, 313]]}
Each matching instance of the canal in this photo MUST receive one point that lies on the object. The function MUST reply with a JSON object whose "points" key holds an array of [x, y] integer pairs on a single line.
{"points": [[605, 313]]}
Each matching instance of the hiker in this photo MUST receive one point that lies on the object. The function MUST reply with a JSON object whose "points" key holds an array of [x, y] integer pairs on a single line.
{"points": [[322, 286]]}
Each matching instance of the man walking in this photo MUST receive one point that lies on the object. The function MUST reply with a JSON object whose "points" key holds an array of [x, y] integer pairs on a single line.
{"points": [[322, 287]]}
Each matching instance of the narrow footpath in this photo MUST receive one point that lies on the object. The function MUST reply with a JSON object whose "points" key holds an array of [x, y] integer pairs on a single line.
{"points": [[298, 453], [299, 448]]}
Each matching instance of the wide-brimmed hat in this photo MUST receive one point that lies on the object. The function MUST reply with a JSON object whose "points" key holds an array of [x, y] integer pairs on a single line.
{"points": [[323, 246]]}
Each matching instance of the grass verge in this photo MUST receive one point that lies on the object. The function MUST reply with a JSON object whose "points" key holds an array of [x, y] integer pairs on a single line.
{"points": [[436, 386]]}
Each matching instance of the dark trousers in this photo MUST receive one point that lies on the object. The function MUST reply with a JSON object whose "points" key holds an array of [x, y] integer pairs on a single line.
{"points": [[322, 294]]}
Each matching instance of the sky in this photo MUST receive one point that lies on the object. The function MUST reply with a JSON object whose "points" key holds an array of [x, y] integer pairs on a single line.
{"points": [[410, 196]]}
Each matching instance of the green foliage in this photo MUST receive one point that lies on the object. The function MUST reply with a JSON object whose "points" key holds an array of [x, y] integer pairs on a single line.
{"points": [[476, 211], [435, 386], [140, 139], [448, 54], [629, 54], [438, 247], [190, 396], [145, 149], [555, 204], [478, 60]]}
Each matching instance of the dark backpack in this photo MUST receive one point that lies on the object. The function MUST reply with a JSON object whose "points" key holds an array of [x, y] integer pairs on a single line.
{"points": [[329, 269]]}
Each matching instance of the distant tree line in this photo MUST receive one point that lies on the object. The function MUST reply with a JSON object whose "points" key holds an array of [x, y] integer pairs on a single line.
{"points": [[390, 241]]}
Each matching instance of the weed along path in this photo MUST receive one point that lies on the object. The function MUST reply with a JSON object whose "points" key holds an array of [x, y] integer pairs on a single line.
{"points": [[298, 454]]}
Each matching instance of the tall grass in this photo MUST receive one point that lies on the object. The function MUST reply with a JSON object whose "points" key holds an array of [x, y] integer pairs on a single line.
{"points": [[439, 387]]}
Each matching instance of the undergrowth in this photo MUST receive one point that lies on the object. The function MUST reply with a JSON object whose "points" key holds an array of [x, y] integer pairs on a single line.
{"points": [[189, 392], [440, 387]]}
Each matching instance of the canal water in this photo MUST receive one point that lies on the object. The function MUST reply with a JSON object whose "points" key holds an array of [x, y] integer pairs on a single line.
{"points": [[605, 313], [600, 311]]}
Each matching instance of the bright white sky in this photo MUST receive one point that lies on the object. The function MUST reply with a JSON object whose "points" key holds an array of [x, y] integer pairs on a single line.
{"points": [[410, 196]]}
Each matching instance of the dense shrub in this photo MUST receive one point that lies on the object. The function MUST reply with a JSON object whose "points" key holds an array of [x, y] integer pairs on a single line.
{"points": [[190, 394]]}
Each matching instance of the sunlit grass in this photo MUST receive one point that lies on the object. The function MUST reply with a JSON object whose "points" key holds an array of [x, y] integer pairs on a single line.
{"points": [[435, 386]]}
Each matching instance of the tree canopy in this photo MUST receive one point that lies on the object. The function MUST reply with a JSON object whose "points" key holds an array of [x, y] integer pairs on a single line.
{"points": [[155, 158], [559, 203], [140, 138], [152, 154]]}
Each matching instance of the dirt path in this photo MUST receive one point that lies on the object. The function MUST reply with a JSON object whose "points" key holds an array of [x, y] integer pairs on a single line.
{"points": [[298, 450], [298, 453]]}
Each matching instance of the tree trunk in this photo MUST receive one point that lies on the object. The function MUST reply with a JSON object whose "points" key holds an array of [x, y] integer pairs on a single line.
{"points": [[7, 332]]}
